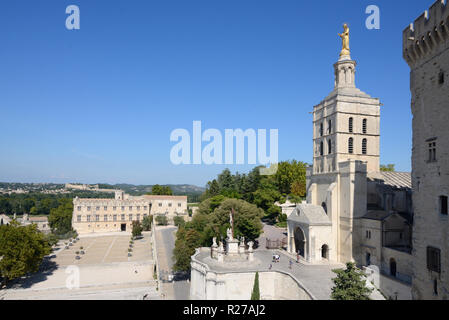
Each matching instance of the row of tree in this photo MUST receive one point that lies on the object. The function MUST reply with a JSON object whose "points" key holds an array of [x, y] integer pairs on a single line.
{"points": [[289, 181]]}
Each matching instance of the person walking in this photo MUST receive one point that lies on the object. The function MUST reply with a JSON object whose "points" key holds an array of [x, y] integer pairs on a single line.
{"points": [[290, 264], [270, 266]]}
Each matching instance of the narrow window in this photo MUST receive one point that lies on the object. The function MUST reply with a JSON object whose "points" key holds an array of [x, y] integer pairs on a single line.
{"points": [[321, 129], [130, 217], [329, 145], [443, 205], [364, 146], [433, 259], [350, 124], [321, 148], [105, 217], [392, 267], [351, 145], [432, 151], [441, 77], [435, 287], [364, 126], [78, 218], [329, 127]]}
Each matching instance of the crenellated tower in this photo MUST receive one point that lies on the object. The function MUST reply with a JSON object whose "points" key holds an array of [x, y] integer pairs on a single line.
{"points": [[425, 49]]}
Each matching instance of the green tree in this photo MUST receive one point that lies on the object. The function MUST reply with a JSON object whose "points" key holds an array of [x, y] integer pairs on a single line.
{"points": [[60, 218], [5, 206], [387, 168], [22, 249], [247, 221], [255, 295], [161, 220], [161, 190], [147, 222], [137, 229], [179, 221], [291, 172], [349, 284], [186, 243]]}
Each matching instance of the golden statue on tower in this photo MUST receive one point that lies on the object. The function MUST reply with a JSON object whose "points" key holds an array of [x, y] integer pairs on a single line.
{"points": [[345, 41]]}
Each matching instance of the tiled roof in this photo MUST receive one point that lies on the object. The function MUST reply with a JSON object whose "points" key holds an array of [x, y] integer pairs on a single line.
{"points": [[393, 179], [398, 179]]}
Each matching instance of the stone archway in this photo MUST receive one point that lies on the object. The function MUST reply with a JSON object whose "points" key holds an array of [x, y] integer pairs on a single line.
{"points": [[325, 251], [300, 242]]}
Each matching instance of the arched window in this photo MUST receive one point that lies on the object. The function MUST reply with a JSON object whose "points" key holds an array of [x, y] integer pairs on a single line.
{"points": [[329, 146], [329, 126], [351, 145], [351, 120], [325, 251], [364, 146], [321, 129], [321, 148], [392, 267], [324, 207], [364, 125]]}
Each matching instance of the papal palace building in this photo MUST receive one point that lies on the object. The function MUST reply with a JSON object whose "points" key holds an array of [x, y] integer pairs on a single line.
{"points": [[110, 215], [425, 49]]}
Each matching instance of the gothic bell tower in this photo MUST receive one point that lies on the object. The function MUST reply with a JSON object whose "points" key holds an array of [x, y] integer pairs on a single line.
{"points": [[347, 121]]}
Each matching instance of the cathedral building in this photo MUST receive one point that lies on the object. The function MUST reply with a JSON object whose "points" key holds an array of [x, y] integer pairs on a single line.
{"points": [[354, 212]]}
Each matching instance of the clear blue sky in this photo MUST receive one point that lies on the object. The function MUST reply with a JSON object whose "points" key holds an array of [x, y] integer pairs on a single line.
{"points": [[98, 104]]}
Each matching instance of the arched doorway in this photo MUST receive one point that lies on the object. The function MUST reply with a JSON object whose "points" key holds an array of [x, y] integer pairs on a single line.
{"points": [[392, 267], [325, 251], [300, 242]]}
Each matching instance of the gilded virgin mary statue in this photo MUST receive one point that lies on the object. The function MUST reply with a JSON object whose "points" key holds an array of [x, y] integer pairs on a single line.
{"points": [[345, 41]]}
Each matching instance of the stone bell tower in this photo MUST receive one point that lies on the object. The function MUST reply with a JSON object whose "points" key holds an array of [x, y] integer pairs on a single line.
{"points": [[346, 122], [346, 134]]}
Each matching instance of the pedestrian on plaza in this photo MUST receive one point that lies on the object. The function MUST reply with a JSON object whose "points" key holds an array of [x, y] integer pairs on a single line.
{"points": [[270, 266], [290, 266]]}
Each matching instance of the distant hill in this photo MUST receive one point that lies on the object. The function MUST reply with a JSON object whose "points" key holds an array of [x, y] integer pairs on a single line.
{"points": [[178, 189], [193, 192]]}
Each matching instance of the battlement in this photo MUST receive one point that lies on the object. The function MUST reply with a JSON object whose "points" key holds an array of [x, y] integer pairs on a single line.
{"points": [[428, 34]]}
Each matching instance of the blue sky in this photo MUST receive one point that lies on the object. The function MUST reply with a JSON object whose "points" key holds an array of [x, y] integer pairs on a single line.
{"points": [[98, 104]]}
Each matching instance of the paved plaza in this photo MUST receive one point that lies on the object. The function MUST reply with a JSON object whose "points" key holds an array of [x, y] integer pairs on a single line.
{"points": [[104, 271], [104, 249]]}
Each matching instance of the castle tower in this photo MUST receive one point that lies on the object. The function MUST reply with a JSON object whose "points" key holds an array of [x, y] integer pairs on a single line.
{"points": [[346, 123], [426, 50]]}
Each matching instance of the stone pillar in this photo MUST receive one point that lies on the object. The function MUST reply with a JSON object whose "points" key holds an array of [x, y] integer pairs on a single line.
{"points": [[214, 249], [250, 251], [242, 246], [220, 255]]}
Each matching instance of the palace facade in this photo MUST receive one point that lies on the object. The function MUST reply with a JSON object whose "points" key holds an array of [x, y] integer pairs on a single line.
{"points": [[118, 214]]}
